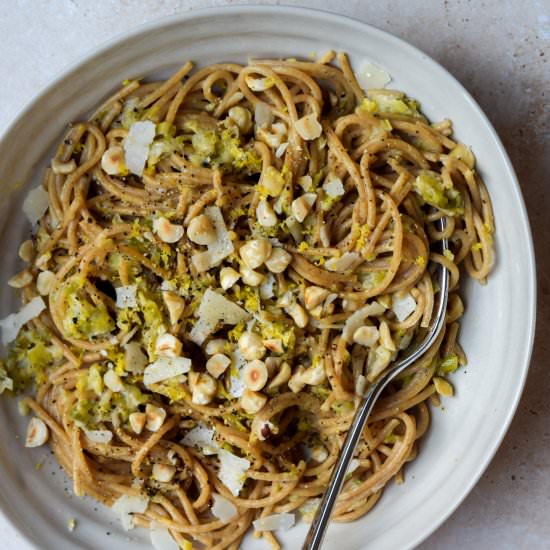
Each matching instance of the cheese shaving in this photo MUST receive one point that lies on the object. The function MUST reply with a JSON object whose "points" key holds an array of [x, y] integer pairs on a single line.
{"points": [[128, 505], [333, 186], [126, 296], [202, 438], [35, 204], [344, 263], [99, 436], [215, 308], [136, 145], [372, 76], [222, 508], [220, 248], [165, 368], [275, 522], [232, 471], [236, 382], [403, 305], [11, 325]]}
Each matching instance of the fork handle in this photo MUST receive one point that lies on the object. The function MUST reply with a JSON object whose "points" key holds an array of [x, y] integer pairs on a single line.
{"points": [[317, 530], [319, 525]]}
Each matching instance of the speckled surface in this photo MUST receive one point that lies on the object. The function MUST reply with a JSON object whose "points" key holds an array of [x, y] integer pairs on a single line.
{"points": [[500, 51]]}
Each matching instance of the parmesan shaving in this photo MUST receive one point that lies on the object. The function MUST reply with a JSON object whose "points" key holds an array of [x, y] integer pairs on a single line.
{"points": [[126, 296], [201, 437], [215, 308], [403, 305], [99, 436], [220, 248], [11, 325], [232, 471], [165, 368], [126, 506], [345, 262], [222, 245], [372, 76], [275, 522], [333, 186], [136, 145], [222, 508], [236, 382], [35, 204], [262, 114]]}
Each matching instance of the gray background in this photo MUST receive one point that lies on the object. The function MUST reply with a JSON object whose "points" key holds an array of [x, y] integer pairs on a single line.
{"points": [[500, 52]]}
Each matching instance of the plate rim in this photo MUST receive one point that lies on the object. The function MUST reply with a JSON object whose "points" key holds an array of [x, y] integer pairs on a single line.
{"points": [[313, 12]]}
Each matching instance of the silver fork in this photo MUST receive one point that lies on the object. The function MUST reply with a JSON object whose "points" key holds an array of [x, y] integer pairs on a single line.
{"points": [[320, 523]]}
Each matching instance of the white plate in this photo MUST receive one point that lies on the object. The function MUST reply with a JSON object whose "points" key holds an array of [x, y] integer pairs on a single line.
{"points": [[497, 331]]}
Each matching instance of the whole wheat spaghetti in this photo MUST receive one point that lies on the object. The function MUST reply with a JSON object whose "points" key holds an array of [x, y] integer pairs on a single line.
{"points": [[227, 259]]}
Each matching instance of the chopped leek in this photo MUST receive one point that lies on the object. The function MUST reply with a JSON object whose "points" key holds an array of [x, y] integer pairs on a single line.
{"points": [[430, 187], [448, 364]]}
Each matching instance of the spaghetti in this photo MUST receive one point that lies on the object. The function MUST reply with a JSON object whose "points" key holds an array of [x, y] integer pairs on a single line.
{"points": [[228, 258]]}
